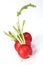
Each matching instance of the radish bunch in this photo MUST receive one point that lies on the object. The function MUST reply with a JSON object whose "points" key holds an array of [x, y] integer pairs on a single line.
{"points": [[24, 50], [22, 39]]}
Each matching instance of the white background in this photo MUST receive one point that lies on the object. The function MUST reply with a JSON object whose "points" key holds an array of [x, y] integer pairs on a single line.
{"points": [[34, 25]]}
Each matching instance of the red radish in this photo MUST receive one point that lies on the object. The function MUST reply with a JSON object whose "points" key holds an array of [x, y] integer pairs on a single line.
{"points": [[17, 45], [28, 38], [25, 51]]}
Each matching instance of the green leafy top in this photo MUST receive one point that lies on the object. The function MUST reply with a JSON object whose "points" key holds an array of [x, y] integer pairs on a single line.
{"points": [[19, 36], [19, 33], [25, 7]]}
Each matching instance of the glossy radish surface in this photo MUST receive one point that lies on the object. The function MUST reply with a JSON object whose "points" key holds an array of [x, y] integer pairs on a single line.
{"points": [[25, 51]]}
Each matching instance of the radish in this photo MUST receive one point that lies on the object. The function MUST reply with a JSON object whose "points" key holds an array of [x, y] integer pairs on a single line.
{"points": [[22, 40], [25, 51], [28, 38], [17, 45]]}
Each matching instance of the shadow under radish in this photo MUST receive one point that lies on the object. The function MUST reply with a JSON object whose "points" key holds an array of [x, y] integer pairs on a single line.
{"points": [[37, 43]]}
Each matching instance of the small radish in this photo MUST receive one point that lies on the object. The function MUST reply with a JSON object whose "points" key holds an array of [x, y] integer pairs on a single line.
{"points": [[27, 36], [25, 51], [17, 45]]}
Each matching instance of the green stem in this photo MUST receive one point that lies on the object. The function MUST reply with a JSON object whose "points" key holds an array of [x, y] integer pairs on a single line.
{"points": [[25, 7], [16, 38], [20, 31], [23, 25], [10, 35]]}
